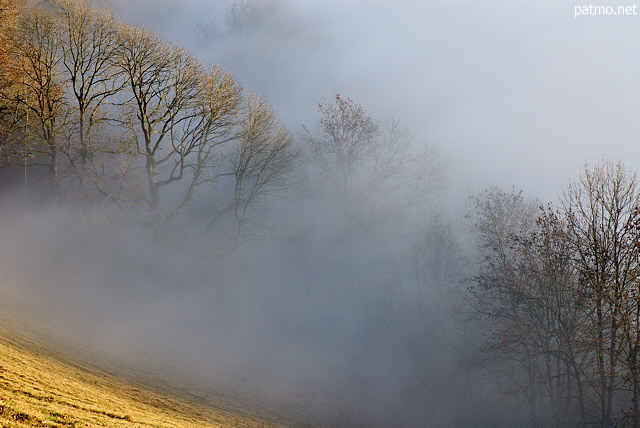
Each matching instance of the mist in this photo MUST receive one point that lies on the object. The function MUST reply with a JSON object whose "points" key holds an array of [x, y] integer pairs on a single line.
{"points": [[315, 316], [299, 326], [506, 90], [515, 94]]}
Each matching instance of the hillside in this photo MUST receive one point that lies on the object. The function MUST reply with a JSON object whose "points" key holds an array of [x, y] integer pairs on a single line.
{"points": [[37, 389]]}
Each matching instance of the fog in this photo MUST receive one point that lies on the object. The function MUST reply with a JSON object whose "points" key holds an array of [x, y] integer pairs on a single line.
{"points": [[515, 93], [316, 322], [312, 329]]}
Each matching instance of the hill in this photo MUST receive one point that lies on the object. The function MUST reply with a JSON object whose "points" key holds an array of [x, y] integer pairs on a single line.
{"points": [[43, 389]]}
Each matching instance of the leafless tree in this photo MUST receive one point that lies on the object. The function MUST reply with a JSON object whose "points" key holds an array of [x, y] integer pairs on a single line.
{"points": [[10, 113], [527, 291], [40, 89], [265, 165], [177, 113], [435, 259], [562, 292], [89, 46], [600, 212], [373, 176]]}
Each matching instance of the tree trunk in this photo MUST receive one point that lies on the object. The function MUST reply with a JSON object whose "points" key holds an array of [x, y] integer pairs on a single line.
{"points": [[154, 200]]}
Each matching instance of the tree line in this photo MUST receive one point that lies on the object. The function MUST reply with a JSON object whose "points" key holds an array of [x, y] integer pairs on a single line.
{"points": [[113, 113]]}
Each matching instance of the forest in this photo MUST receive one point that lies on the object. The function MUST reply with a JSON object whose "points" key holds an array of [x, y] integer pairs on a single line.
{"points": [[157, 213]]}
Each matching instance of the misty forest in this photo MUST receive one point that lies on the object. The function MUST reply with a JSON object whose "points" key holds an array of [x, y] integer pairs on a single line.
{"points": [[159, 215]]}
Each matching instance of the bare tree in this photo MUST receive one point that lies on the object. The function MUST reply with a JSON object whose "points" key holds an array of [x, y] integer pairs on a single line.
{"points": [[264, 162], [562, 292], [10, 113], [176, 113], [212, 124], [631, 323], [554, 318], [435, 259], [527, 290], [600, 212], [89, 45], [372, 175], [40, 89]]}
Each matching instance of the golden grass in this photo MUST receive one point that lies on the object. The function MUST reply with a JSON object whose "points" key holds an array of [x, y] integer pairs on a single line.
{"points": [[38, 390]]}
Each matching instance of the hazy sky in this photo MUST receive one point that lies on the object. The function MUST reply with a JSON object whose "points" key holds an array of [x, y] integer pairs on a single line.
{"points": [[517, 93]]}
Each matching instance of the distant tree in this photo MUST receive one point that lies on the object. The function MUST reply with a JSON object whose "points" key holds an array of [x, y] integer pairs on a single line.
{"points": [[257, 37], [242, 17], [435, 266], [373, 176], [245, 15], [435, 258]]}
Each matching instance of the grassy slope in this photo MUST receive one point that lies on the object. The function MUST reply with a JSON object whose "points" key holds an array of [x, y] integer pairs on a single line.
{"points": [[39, 390]]}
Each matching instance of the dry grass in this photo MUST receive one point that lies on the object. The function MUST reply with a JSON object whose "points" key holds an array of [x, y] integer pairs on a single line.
{"points": [[37, 390]]}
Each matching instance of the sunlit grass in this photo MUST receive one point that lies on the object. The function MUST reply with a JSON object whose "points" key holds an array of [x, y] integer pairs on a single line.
{"points": [[37, 390]]}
